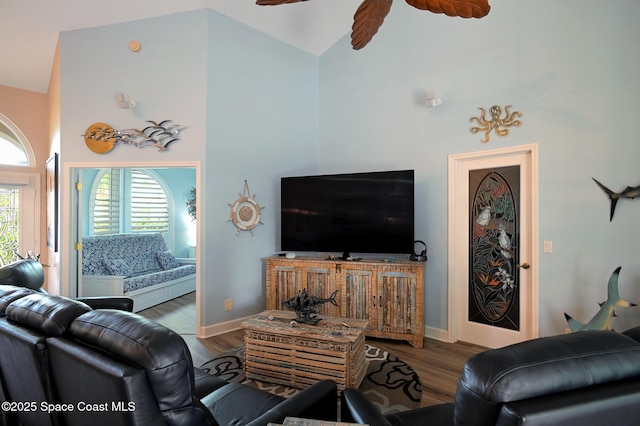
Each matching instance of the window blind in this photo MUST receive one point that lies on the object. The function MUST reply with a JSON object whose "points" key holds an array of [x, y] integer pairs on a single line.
{"points": [[149, 209], [106, 208]]}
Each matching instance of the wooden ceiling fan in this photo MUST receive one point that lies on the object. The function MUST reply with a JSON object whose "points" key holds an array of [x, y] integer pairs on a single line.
{"points": [[371, 13]]}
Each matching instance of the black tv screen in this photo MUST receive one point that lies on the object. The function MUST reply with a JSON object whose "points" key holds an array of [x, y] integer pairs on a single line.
{"points": [[357, 212]]}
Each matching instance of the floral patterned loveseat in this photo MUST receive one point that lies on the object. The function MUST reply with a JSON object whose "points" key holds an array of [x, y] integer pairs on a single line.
{"points": [[136, 265]]}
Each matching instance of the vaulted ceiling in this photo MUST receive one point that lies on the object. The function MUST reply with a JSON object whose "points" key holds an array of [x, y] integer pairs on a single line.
{"points": [[29, 29]]}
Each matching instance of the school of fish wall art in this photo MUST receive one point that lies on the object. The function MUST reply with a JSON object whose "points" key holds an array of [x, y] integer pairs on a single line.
{"points": [[102, 138]]}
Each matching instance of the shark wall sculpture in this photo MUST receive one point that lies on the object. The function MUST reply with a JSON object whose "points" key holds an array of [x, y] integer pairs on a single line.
{"points": [[629, 192], [602, 319]]}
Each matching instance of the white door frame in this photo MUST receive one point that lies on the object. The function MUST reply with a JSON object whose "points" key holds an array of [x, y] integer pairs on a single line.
{"points": [[70, 274], [458, 265]]}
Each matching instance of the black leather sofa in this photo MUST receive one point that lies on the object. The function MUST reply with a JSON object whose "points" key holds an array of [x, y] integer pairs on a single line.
{"points": [[64, 363], [29, 273], [585, 378]]}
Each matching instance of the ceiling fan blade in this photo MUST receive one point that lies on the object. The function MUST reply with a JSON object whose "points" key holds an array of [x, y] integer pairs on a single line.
{"points": [[462, 8], [276, 2], [367, 20]]}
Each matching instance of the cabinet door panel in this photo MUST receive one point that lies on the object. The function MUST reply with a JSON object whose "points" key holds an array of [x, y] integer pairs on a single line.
{"points": [[321, 283], [288, 283], [397, 311], [358, 299]]}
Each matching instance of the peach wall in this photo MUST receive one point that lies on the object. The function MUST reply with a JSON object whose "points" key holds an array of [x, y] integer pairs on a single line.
{"points": [[53, 272], [29, 111]]}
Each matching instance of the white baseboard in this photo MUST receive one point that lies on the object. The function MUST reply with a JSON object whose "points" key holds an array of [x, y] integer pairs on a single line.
{"points": [[220, 328], [437, 334]]}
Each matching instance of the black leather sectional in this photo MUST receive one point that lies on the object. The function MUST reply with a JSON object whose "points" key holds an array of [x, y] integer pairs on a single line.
{"points": [[64, 363], [588, 378]]}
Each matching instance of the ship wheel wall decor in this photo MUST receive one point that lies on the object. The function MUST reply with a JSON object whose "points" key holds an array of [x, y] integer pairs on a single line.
{"points": [[245, 211], [371, 13]]}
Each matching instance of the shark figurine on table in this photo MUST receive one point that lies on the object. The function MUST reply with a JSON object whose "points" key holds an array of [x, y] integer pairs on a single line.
{"points": [[602, 319], [629, 192], [306, 306]]}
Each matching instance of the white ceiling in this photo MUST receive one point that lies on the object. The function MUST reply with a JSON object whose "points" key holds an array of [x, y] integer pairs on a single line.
{"points": [[29, 28]]}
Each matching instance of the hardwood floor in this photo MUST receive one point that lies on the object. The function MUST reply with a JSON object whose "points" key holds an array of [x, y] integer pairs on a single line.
{"points": [[178, 314], [438, 364]]}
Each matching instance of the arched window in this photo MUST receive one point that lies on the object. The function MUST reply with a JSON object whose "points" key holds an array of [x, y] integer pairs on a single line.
{"points": [[148, 207], [13, 145], [19, 195], [129, 201]]}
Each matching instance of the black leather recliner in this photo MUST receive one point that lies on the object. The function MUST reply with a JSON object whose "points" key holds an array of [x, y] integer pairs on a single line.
{"points": [[23, 273], [28, 276], [29, 273], [27, 321], [7, 295], [108, 367], [584, 378]]}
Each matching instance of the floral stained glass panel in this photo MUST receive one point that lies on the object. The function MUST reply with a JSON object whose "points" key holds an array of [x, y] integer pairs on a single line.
{"points": [[9, 224], [494, 287]]}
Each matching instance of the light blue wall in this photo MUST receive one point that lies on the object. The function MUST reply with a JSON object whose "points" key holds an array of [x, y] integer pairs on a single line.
{"points": [[251, 104], [167, 78], [180, 181], [570, 67], [262, 123]]}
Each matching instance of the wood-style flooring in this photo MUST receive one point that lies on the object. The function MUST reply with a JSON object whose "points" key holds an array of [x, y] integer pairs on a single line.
{"points": [[438, 364]]}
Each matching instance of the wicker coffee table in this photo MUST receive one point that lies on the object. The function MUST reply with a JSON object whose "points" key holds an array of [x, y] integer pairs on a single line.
{"points": [[279, 350]]}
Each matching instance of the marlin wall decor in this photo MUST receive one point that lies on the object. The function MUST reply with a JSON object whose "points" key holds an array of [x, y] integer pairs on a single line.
{"points": [[630, 192]]}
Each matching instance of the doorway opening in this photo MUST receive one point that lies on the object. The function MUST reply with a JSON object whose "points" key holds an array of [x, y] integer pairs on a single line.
{"points": [[81, 187]]}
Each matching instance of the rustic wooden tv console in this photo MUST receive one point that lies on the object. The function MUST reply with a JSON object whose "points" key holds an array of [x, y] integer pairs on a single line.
{"points": [[387, 293]]}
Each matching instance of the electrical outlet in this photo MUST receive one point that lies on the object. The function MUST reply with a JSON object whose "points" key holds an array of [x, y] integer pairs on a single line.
{"points": [[547, 246], [228, 304]]}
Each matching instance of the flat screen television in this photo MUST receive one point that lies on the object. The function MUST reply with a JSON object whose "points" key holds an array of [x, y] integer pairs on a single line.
{"points": [[369, 212]]}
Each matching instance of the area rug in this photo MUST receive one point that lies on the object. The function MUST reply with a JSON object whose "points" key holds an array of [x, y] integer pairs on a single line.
{"points": [[390, 383]]}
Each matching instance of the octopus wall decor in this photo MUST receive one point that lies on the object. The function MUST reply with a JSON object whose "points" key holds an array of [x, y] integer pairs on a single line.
{"points": [[495, 122]]}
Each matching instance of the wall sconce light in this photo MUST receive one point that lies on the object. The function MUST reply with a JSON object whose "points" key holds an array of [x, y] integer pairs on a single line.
{"points": [[124, 101], [432, 100]]}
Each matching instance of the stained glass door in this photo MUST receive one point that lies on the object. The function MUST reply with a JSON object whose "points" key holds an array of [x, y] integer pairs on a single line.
{"points": [[494, 283], [492, 261]]}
